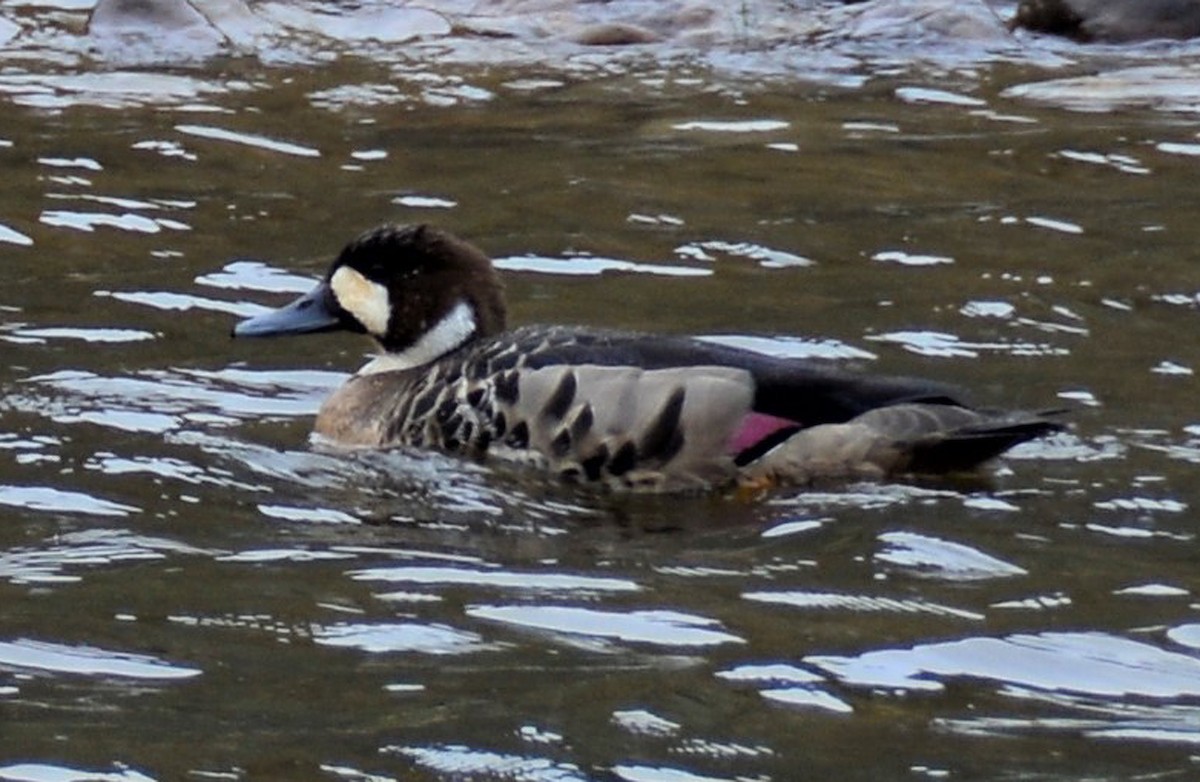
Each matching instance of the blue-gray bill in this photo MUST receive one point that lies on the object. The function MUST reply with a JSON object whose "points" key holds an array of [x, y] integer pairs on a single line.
{"points": [[314, 311]]}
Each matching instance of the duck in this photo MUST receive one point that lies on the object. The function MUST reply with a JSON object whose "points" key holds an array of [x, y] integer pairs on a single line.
{"points": [[1113, 21], [618, 409]]}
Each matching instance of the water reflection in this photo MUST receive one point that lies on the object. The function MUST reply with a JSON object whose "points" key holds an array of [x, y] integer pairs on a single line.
{"points": [[944, 559], [826, 600], [666, 628], [49, 499], [87, 661], [580, 586], [1087, 663], [61, 559], [45, 772], [178, 558], [399, 637], [461, 760]]}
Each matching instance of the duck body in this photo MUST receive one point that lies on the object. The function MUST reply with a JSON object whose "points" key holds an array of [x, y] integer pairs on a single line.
{"points": [[1116, 21], [623, 409]]}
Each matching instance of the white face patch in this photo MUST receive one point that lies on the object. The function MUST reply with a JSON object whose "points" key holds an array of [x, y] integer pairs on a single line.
{"points": [[367, 301], [448, 333]]}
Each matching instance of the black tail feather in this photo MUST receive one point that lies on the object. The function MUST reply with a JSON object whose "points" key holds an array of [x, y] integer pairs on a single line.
{"points": [[967, 448]]}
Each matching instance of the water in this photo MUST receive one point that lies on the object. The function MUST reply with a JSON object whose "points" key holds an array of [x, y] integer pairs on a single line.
{"points": [[189, 590]]}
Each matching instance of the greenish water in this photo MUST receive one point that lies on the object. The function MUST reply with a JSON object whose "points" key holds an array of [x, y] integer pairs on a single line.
{"points": [[188, 591]]}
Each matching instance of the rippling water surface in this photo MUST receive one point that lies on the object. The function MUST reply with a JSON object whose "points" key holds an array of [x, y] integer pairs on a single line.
{"points": [[188, 590]]}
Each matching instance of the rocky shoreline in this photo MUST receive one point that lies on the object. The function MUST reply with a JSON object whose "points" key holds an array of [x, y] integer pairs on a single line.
{"points": [[170, 31], [1096, 48]]}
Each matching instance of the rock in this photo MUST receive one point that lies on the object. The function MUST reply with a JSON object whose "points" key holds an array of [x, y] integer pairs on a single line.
{"points": [[376, 22], [234, 19], [148, 16], [964, 20], [615, 34], [152, 31], [143, 31], [1114, 21]]}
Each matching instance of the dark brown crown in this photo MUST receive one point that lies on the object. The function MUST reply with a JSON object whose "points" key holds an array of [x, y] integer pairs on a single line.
{"points": [[427, 271]]}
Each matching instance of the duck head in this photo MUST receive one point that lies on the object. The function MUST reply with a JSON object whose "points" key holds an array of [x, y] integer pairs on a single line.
{"points": [[419, 292]]}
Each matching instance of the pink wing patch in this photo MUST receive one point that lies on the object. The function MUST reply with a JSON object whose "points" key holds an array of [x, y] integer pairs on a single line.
{"points": [[757, 427]]}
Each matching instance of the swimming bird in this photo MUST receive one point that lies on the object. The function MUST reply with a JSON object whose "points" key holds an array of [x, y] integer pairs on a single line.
{"points": [[1110, 20], [622, 409]]}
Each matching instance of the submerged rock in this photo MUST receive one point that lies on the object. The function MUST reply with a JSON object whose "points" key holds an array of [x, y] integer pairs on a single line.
{"points": [[1111, 20]]}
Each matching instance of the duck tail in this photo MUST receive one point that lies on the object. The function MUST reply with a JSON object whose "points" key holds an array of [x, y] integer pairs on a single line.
{"points": [[963, 449]]}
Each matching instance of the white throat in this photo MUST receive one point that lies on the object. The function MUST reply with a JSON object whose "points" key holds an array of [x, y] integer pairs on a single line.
{"points": [[447, 334]]}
